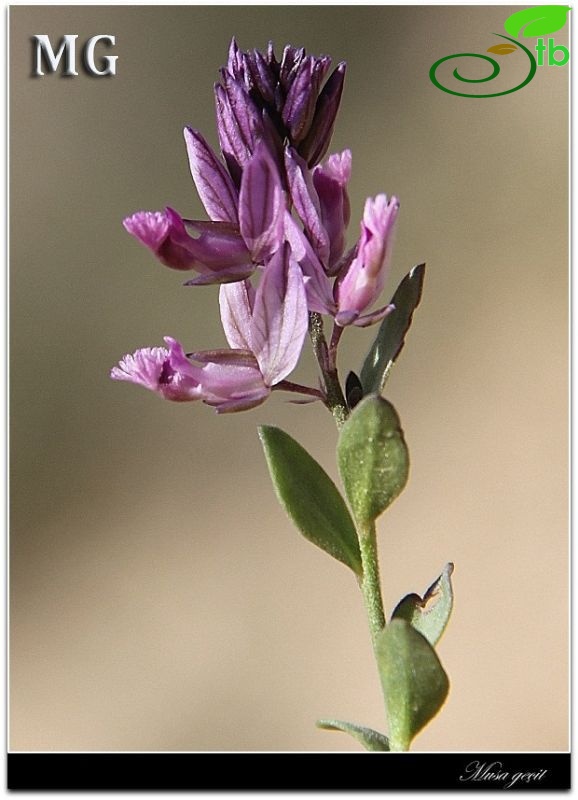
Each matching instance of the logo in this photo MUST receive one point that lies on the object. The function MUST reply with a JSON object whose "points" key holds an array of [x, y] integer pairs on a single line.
{"points": [[537, 21], [44, 54]]}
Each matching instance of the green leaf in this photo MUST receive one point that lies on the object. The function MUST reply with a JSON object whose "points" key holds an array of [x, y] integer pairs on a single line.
{"points": [[429, 615], [390, 337], [310, 497], [373, 458], [414, 682], [536, 21], [370, 739]]}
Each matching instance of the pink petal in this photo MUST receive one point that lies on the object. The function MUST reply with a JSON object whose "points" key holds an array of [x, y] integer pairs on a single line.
{"points": [[306, 202], [236, 304], [224, 381], [280, 317], [142, 367], [365, 278], [149, 227], [318, 286], [337, 167], [243, 404], [164, 371]]}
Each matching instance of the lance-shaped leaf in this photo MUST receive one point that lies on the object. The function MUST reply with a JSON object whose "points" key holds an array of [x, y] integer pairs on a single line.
{"points": [[310, 497], [373, 457], [370, 739], [536, 21], [414, 682], [392, 331], [429, 615]]}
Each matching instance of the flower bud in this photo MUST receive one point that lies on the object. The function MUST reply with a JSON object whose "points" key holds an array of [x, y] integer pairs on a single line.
{"points": [[330, 181], [316, 143], [366, 275]]}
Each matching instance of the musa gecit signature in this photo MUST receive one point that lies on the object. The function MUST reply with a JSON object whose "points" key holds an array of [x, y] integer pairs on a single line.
{"points": [[477, 771]]}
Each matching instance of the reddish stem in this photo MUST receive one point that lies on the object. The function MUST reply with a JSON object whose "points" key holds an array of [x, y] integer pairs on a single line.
{"points": [[333, 345], [288, 386]]}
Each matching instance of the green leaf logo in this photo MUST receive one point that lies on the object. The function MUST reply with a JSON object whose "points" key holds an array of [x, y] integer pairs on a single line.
{"points": [[536, 21]]}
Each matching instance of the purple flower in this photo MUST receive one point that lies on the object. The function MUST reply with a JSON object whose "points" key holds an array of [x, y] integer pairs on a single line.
{"points": [[265, 329], [159, 370], [330, 181], [317, 284], [306, 202], [365, 277], [363, 271], [222, 250], [217, 251], [321, 200], [260, 98], [261, 103]]}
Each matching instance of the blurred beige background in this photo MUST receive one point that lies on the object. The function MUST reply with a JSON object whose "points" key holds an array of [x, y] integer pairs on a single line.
{"points": [[160, 599]]}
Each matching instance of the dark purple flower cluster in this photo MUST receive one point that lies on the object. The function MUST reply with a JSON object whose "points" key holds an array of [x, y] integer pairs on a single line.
{"points": [[282, 102], [274, 210]]}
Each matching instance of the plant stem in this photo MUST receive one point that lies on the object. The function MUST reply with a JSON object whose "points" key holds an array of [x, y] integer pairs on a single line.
{"points": [[335, 337], [370, 584], [371, 589], [289, 386], [334, 400], [373, 601]]}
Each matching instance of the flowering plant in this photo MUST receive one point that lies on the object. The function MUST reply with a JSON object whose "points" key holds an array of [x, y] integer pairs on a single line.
{"points": [[275, 242]]}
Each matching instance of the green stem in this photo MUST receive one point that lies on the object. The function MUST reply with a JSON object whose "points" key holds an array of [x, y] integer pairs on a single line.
{"points": [[335, 401], [370, 583], [373, 601]]}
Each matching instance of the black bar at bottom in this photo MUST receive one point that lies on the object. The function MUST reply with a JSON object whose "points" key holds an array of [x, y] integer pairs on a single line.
{"points": [[288, 771]]}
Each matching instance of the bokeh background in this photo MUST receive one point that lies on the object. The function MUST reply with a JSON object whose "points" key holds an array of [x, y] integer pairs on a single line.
{"points": [[160, 598]]}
